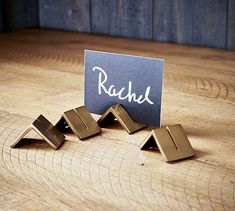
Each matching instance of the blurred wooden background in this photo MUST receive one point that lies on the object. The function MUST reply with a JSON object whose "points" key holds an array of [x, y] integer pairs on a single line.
{"points": [[209, 23]]}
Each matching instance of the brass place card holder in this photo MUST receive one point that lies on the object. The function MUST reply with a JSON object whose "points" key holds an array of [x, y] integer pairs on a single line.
{"points": [[171, 141], [45, 130], [118, 112], [80, 121]]}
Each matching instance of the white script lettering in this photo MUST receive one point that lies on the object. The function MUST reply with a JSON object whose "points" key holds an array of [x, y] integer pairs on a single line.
{"points": [[113, 92]]}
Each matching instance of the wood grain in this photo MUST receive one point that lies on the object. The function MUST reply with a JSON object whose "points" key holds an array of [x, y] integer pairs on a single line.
{"points": [[122, 18], [195, 22], [42, 72], [67, 15]]}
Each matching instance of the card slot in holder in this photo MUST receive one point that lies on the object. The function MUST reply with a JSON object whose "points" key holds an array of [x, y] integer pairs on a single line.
{"points": [[80, 121], [171, 141]]}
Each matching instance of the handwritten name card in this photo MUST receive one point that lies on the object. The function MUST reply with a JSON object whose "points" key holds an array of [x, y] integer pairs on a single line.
{"points": [[133, 81]]}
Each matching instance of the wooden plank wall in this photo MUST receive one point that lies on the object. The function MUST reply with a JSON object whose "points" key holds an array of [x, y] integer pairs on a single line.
{"points": [[67, 15], [195, 22], [19, 14], [231, 25], [209, 23], [132, 18], [1, 16]]}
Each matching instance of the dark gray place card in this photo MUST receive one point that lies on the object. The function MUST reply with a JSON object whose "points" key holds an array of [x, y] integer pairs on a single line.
{"points": [[133, 81]]}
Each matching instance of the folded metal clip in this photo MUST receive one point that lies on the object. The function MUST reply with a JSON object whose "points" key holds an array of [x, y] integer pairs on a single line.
{"points": [[118, 112], [80, 121], [171, 141], [45, 130]]}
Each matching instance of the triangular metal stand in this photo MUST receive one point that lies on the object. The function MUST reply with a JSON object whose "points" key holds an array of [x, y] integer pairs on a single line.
{"points": [[118, 112], [45, 130], [171, 141], [80, 121]]}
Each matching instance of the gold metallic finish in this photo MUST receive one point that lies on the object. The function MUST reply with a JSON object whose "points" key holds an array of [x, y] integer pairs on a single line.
{"points": [[171, 141], [45, 130], [118, 112], [80, 121]]}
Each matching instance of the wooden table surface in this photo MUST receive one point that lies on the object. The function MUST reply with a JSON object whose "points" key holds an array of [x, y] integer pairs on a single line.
{"points": [[41, 71]]}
